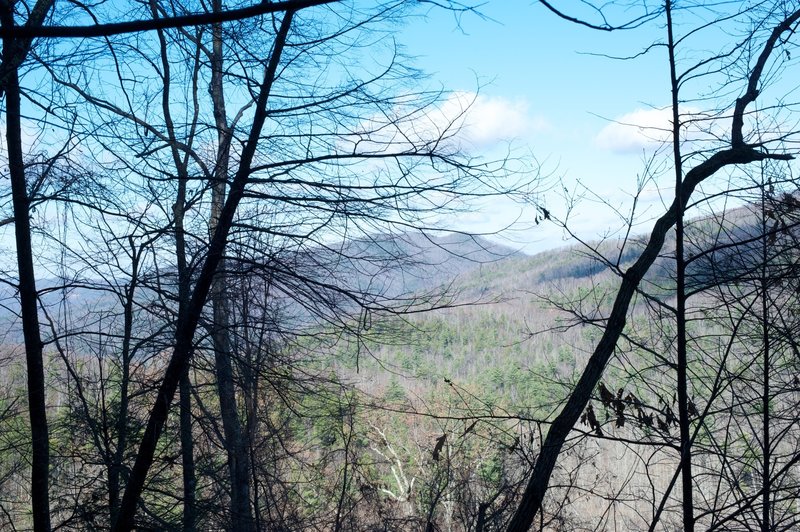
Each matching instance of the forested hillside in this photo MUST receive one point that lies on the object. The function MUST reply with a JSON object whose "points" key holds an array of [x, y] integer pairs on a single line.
{"points": [[241, 287], [372, 410], [426, 417]]}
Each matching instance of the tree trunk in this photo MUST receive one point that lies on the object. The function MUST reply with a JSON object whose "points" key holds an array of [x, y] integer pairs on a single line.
{"points": [[764, 281], [179, 213], [537, 485], [40, 446], [117, 466], [184, 337], [14, 53], [680, 291], [738, 153], [235, 441], [187, 455]]}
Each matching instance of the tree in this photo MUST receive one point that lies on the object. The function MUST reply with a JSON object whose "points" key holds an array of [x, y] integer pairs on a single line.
{"points": [[750, 272], [739, 149], [15, 52], [300, 165]]}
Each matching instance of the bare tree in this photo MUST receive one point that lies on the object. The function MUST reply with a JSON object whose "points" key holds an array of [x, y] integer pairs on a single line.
{"points": [[738, 151], [303, 165], [15, 52]]}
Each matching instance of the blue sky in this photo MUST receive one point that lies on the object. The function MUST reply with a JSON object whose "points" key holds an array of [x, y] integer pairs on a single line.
{"points": [[537, 73]]}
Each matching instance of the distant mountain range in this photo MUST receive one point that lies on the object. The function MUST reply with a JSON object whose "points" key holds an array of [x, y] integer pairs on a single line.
{"points": [[404, 265]]}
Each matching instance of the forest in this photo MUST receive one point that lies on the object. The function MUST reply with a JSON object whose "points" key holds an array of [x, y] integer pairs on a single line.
{"points": [[233, 296]]}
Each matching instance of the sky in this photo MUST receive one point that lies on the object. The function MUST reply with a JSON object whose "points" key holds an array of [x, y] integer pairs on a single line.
{"points": [[541, 82], [548, 87]]}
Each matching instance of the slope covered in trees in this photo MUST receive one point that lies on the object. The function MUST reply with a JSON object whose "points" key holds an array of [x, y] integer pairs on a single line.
{"points": [[236, 313], [486, 375]]}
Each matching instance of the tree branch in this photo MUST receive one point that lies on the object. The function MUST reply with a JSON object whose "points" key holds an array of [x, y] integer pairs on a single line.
{"points": [[737, 154], [136, 26]]}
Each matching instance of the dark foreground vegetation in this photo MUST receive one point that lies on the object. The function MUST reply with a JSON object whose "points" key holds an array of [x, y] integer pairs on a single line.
{"points": [[231, 303]]}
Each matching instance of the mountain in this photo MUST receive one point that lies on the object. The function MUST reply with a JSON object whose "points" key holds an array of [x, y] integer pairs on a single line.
{"points": [[413, 263], [385, 267], [525, 325]]}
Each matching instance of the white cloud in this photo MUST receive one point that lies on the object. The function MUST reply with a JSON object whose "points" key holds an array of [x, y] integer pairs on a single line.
{"points": [[489, 120], [643, 129], [650, 129], [463, 120]]}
